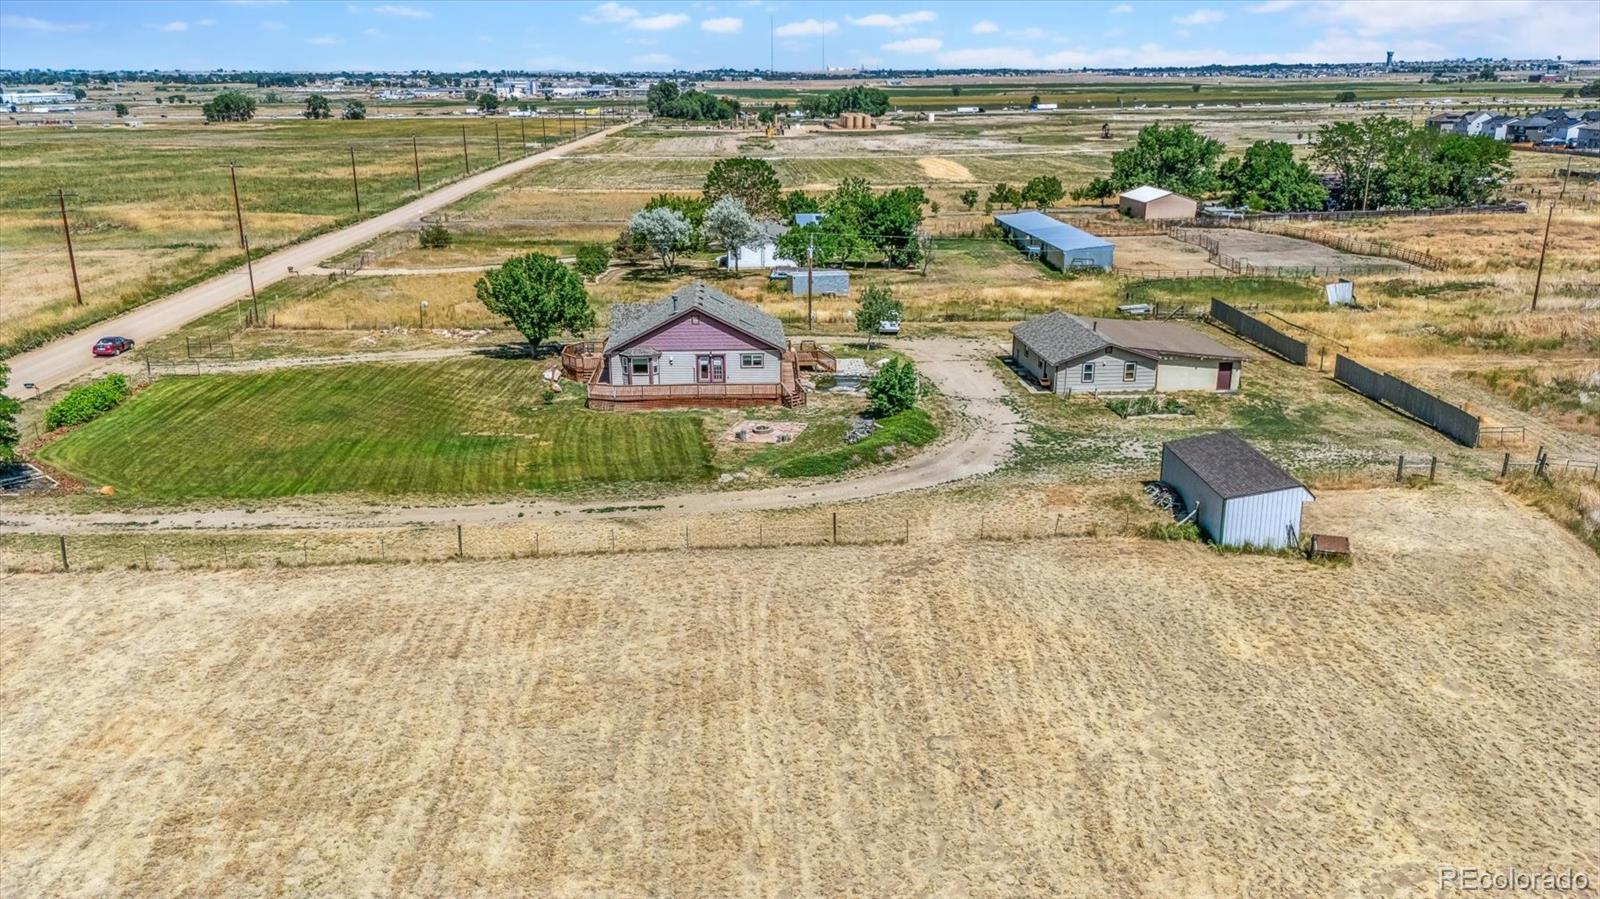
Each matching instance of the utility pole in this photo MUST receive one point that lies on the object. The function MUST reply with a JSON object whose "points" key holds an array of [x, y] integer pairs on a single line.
{"points": [[354, 183], [244, 242], [1538, 277], [496, 141], [465, 163], [416, 161], [72, 260], [524, 124], [543, 128], [811, 282]]}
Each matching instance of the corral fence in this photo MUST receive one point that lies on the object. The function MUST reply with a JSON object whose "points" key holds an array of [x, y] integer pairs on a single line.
{"points": [[1451, 421], [1348, 215], [1260, 333], [1542, 465], [1501, 436], [1237, 266], [1417, 467]]}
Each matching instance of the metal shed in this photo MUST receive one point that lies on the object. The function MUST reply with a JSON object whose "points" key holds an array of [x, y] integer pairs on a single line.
{"points": [[1061, 245], [1239, 496], [1149, 202], [828, 281]]}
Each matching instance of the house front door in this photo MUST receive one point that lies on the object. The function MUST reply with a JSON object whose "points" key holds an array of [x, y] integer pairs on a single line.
{"points": [[711, 369], [1224, 375]]}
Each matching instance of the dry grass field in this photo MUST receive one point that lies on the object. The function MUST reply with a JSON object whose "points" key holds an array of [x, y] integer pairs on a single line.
{"points": [[1070, 717]]}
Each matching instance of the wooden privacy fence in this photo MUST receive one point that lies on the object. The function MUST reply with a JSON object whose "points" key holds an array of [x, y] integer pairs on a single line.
{"points": [[1260, 333], [1451, 421]]}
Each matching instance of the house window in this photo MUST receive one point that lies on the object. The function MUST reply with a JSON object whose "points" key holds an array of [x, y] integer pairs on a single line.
{"points": [[1088, 372], [1130, 371], [752, 360], [640, 365]]}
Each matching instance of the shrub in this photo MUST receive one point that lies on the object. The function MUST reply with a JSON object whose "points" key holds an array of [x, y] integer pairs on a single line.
{"points": [[86, 403], [435, 236], [893, 389], [1171, 530]]}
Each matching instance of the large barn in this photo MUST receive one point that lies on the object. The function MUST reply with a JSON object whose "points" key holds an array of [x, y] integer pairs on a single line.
{"points": [[1073, 354], [1239, 497], [1057, 242], [1154, 203]]}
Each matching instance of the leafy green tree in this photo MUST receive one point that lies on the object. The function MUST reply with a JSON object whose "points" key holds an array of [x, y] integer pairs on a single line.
{"points": [[228, 106], [9, 410], [892, 223], [664, 230], [1345, 97], [539, 296], [730, 227], [318, 107], [969, 199], [79, 93], [592, 260], [796, 202], [1003, 194], [1176, 158], [1592, 89], [1098, 189], [1355, 152], [893, 389], [693, 209], [121, 109], [832, 241], [752, 181], [877, 304], [955, 90], [857, 98], [488, 103], [1268, 179], [1488, 74], [660, 96], [1043, 191], [471, 95], [88, 402], [1033, 100], [435, 236], [355, 110]]}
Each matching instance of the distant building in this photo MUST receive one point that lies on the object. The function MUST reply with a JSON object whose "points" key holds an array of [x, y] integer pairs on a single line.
{"points": [[1073, 354], [1238, 496], [763, 253], [1057, 242], [801, 219], [1587, 136], [1154, 203], [826, 281]]}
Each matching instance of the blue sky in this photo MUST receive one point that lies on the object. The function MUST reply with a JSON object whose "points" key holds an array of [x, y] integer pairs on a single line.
{"points": [[641, 34]]}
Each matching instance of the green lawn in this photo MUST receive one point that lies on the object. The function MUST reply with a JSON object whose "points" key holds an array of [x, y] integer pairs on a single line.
{"points": [[454, 427]]}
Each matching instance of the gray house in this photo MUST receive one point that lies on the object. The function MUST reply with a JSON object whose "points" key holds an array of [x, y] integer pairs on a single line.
{"points": [[1238, 496], [1057, 242], [1073, 354]]}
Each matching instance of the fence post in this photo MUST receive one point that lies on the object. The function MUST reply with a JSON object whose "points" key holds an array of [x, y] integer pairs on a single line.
{"points": [[836, 529], [1505, 465], [64, 565], [1400, 468], [1433, 465], [461, 546]]}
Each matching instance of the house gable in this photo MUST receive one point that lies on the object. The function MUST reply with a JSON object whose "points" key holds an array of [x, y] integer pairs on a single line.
{"points": [[694, 329]]}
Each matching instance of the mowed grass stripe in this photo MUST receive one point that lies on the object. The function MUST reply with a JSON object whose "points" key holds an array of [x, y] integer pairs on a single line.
{"points": [[457, 427]]}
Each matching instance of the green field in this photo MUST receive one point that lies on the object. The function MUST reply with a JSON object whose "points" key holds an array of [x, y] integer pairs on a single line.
{"points": [[152, 207], [459, 427]]}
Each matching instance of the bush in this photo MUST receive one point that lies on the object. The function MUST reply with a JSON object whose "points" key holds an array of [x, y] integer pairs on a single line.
{"points": [[1171, 530], [86, 403], [1147, 404], [435, 237], [592, 259], [893, 389]]}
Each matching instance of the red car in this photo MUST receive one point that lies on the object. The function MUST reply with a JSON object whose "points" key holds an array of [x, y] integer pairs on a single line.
{"points": [[112, 346]]}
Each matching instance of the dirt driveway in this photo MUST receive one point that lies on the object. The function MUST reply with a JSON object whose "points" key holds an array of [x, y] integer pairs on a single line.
{"points": [[960, 368]]}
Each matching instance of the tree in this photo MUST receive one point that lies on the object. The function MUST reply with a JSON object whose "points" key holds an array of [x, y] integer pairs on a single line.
{"points": [[1033, 100], [730, 226], [592, 260], [1043, 191], [1487, 73], [955, 90], [1004, 194], [539, 296], [877, 304], [79, 93], [664, 230], [1592, 89], [857, 98], [1098, 189], [355, 110], [796, 202], [969, 199], [488, 103], [1195, 88], [893, 389], [1176, 158], [435, 236], [9, 410], [228, 106], [1355, 150], [471, 95], [1388, 163], [1268, 179], [660, 96], [318, 107], [1345, 97], [751, 181], [121, 109], [693, 209]]}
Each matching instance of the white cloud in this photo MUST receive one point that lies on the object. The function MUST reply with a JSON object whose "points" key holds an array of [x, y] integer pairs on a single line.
{"points": [[914, 45], [654, 61], [1199, 17], [175, 26], [1270, 6], [610, 13], [29, 23], [404, 12], [206, 23], [663, 22], [806, 28], [723, 25], [885, 20], [1121, 9], [984, 26], [326, 40], [372, 32]]}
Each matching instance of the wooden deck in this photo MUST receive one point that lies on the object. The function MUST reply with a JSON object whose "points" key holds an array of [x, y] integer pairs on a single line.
{"points": [[811, 357], [585, 363]]}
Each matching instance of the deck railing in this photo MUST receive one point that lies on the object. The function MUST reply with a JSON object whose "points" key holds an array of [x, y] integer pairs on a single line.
{"points": [[626, 392]]}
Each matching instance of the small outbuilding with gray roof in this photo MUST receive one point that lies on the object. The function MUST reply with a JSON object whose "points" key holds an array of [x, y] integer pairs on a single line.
{"points": [[1075, 354], [1238, 496], [1057, 242]]}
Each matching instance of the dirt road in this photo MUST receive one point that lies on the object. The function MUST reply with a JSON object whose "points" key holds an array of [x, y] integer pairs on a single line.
{"points": [[959, 367], [68, 358]]}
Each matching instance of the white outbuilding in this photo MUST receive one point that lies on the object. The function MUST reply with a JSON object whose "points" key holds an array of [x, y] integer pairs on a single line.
{"points": [[1154, 203], [1238, 496]]}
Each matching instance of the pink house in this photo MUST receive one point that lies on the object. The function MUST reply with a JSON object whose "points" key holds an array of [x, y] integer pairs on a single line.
{"points": [[695, 347]]}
